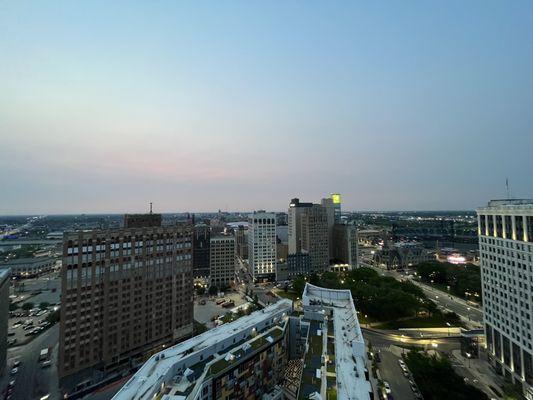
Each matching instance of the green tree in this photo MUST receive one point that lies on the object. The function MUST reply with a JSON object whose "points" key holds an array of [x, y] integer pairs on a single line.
{"points": [[437, 380], [200, 290], [44, 305], [53, 317], [213, 290], [27, 306], [199, 327], [298, 285], [13, 306]]}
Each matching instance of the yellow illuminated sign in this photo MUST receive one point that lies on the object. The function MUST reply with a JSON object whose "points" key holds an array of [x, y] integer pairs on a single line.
{"points": [[336, 198]]}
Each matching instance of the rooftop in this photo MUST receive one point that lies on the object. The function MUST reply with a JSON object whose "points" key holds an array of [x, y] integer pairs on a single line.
{"points": [[507, 204], [4, 274], [347, 338], [160, 367]]}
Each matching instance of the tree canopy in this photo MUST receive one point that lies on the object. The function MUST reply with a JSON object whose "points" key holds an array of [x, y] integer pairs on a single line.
{"points": [[437, 380], [463, 280]]}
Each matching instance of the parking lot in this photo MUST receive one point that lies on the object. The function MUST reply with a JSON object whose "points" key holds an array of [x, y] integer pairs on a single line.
{"points": [[32, 368], [204, 313], [24, 326]]}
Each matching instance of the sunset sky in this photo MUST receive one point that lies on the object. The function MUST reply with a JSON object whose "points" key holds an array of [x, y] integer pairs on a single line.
{"points": [[200, 106]]}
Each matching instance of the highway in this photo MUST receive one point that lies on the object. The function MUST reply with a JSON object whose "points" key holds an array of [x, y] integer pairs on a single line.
{"points": [[471, 315]]}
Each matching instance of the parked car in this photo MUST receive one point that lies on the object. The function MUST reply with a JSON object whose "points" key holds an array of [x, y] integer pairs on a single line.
{"points": [[14, 371]]}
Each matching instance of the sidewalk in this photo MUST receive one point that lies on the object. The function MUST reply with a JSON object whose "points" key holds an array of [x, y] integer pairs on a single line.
{"points": [[480, 369]]}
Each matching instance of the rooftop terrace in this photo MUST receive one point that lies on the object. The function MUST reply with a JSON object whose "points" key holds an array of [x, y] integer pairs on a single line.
{"points": [[337, 311], [162, 368]]}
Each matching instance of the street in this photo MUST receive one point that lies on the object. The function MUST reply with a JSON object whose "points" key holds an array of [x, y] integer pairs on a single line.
{"points": [[387, 342], [444, 300], [32, 381]]}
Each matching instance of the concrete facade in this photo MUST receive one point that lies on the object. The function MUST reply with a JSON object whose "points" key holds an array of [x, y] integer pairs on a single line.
{"points": [[262, 256], [505, 230]]}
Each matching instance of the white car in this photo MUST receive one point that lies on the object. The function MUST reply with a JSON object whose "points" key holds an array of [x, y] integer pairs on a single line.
{"points": [[14, 371], [387, 387]]}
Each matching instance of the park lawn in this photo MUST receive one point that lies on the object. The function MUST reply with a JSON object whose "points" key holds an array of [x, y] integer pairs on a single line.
{"points": [[291, 295], [435, 321]]}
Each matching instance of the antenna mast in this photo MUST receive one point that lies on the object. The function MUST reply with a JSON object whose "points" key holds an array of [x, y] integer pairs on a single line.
{"points": [[507, 186]]}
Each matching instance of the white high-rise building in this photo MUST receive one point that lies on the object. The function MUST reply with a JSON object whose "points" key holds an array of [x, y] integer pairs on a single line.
{"points": [[506, 256], [262, 245]]}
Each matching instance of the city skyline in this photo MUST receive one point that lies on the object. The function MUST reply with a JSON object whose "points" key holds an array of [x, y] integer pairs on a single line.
{"points": [[243, 106]]}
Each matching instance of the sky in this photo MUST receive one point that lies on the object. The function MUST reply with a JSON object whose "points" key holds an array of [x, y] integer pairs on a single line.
{"points": [[238, 105]]}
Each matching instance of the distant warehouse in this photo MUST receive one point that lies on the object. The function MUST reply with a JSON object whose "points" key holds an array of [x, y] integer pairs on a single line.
{"points": [[29, 267]]}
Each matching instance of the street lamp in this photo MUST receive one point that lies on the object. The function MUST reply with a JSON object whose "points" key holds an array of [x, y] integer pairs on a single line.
{"points": [[468, 355], [447, 323]]}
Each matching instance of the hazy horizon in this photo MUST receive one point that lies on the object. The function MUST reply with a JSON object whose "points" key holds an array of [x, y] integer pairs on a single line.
{"points": [[106, 106]]}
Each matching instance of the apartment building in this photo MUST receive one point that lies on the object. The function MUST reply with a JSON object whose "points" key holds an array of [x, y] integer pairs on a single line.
{"points": [[222, 261], [126, 293], [269, 355], [506, 257], [244, 359], [262, 245]]}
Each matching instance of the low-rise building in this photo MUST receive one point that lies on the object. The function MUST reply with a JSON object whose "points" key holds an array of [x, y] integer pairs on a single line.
{"points": [[30, 267], [402, 255]]}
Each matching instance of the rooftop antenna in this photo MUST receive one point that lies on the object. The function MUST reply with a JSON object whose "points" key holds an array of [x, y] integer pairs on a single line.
{"points": [[508, 190], [150, 207]]}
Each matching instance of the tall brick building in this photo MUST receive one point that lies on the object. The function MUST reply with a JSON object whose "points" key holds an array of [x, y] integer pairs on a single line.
{"points": [[126, 293]]}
